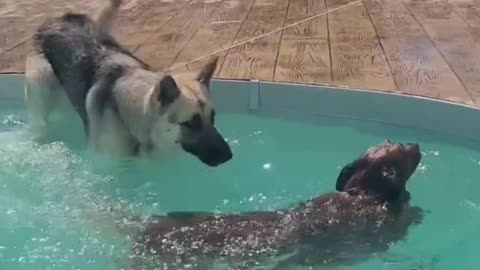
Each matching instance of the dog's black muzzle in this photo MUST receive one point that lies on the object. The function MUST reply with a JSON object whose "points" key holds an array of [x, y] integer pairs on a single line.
{"points": [[208, 146]]}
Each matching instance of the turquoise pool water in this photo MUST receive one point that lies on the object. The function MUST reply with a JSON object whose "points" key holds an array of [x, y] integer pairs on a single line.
{"points": [[53, 196]]}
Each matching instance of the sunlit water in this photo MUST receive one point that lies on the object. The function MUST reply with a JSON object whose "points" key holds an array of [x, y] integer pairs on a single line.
{"points": [[54, 196]]}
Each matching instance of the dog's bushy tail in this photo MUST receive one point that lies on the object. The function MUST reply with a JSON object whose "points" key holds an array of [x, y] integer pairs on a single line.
{"points": [[107, 15]]}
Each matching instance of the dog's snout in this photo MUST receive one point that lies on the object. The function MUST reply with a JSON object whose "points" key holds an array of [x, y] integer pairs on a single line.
{"points": [[210, 147], [412, 151], [227, 154], [223, 154], [412, 146]]}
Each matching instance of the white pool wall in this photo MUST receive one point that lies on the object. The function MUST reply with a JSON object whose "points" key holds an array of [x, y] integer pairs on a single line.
{"points": [[310, 102]]}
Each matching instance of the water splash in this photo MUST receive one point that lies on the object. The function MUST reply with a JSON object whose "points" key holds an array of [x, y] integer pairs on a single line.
{"points": [[49, 195]]}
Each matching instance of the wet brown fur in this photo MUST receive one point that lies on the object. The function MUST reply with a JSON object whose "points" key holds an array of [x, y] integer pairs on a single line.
{"points": [[369, 213]]}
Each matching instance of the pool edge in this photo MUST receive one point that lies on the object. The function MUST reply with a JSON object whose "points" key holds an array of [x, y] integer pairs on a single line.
{"points": [[307, 102]]}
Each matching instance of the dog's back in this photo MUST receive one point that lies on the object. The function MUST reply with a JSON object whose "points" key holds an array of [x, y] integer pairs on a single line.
{"points": [[335, 228], [77, 49]]}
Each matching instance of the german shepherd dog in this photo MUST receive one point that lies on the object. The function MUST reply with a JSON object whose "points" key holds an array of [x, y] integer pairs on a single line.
{"points": [[126, 108], [369, 212]]}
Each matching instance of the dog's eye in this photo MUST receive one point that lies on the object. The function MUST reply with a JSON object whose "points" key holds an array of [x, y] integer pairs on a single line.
{"points": [[389, 172], [194, 124]]}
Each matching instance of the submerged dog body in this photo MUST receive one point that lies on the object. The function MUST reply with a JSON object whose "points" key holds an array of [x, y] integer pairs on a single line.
{"points": [[370, 212], [125, 107]]}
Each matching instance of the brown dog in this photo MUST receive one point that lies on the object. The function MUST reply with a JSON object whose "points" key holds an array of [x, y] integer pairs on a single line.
{"points": [[369, 213]]}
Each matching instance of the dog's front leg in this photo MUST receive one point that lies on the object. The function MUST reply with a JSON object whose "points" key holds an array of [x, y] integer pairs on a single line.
{"points": [[98, 98]]}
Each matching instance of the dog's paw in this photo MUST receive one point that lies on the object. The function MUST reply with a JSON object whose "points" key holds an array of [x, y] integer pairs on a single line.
{"points": [[416, 215]]}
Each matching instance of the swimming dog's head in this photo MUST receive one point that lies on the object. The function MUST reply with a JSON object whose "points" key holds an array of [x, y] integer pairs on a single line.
{"points": [[188, 117], [382, 172]]}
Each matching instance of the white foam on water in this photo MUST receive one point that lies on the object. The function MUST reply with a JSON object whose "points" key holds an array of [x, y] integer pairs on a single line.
{"points": [[51, 208]]}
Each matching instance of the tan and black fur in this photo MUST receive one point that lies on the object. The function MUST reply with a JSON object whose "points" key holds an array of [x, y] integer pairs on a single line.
{"points": [[125, 107]]}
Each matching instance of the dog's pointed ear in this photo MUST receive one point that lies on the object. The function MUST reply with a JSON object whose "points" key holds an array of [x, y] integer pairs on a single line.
{"points": [[207, 72], [345, 175], [167, 91]]}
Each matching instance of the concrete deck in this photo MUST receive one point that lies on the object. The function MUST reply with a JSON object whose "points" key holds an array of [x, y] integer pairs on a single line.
{"points": [[422, 47]]}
